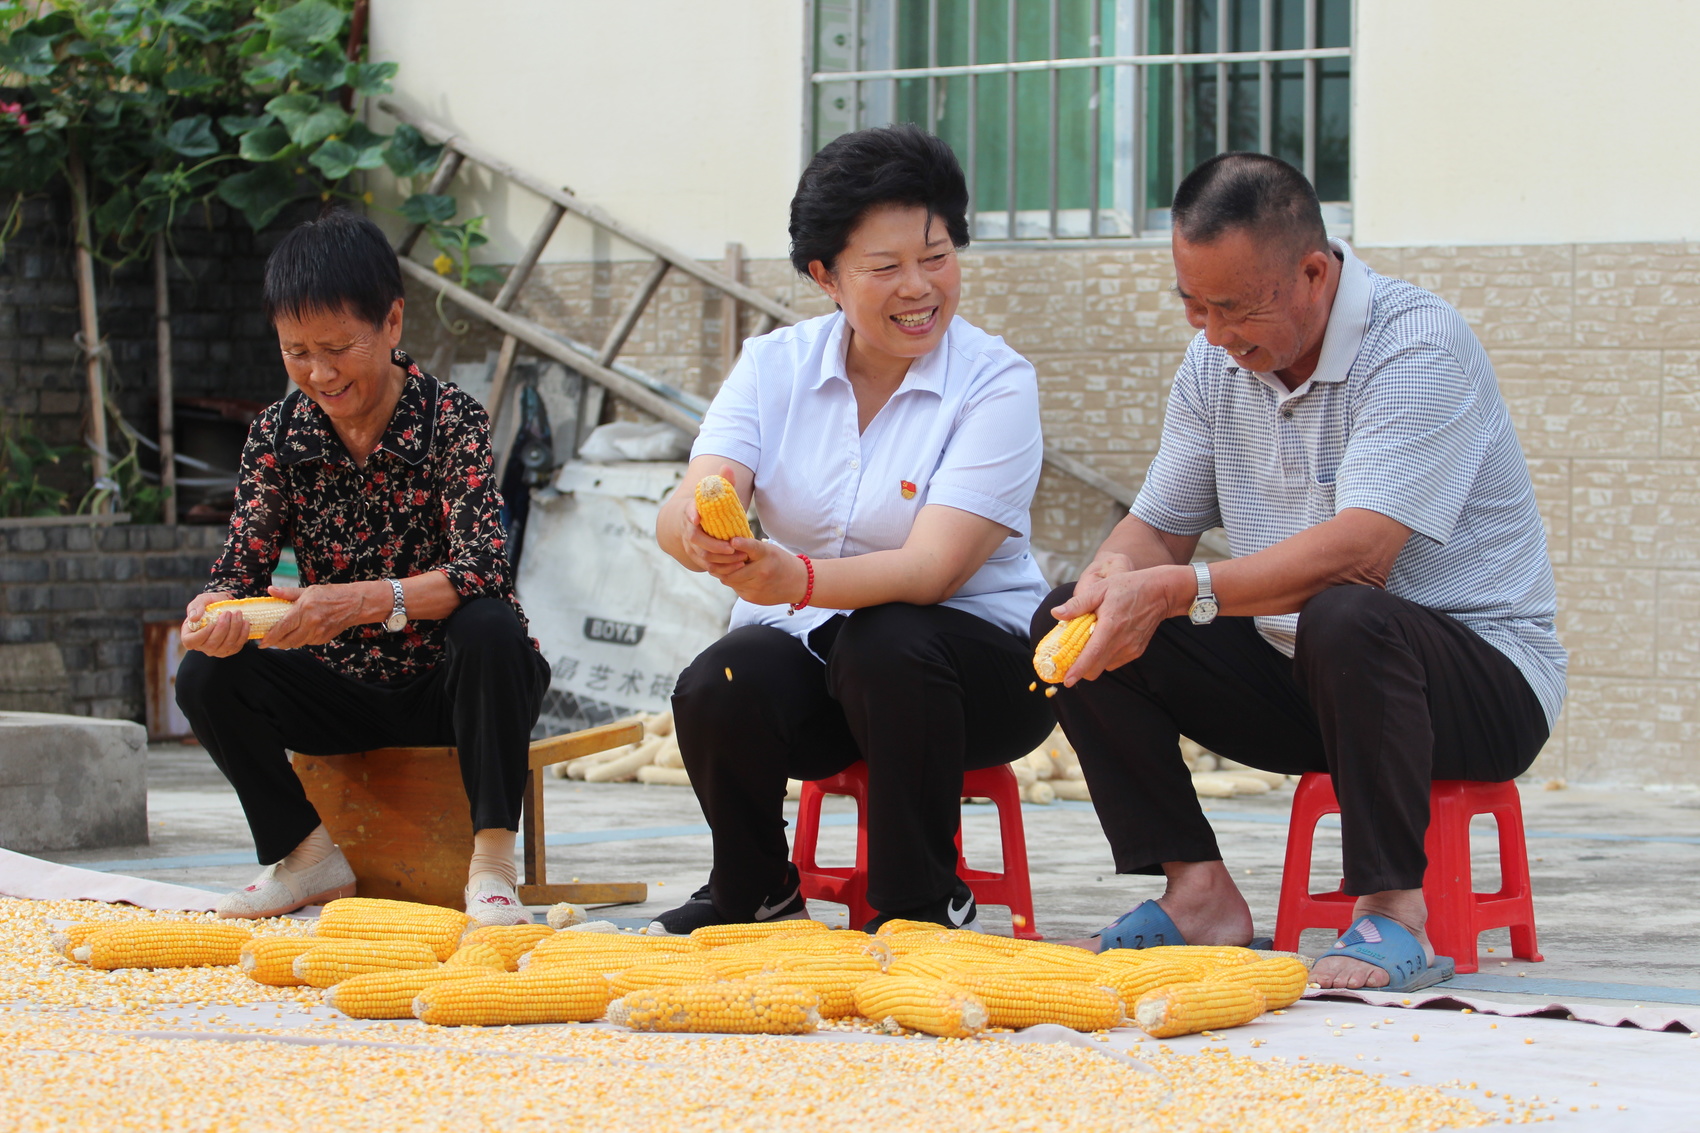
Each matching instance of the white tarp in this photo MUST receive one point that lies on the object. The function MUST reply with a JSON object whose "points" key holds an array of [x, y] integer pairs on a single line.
{"points": [[617, 618]]}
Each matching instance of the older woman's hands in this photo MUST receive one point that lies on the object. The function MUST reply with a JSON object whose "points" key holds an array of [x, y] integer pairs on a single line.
{"points": [[320, 613], [223, 636], [771, 576]]}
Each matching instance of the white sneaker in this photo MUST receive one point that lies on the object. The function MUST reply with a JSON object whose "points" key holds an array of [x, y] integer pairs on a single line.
{"points": [[279, 890], [494, 902]]}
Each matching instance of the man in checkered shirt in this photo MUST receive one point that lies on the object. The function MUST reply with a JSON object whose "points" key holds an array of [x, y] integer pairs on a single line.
{"points": [[1387, 615]]}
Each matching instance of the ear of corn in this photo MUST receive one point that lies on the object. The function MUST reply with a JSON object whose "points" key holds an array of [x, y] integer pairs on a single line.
{"points": [[390, 995], [1187, 1008], [727, 1007], [942, 963], [680, 970], [376, 918], [1194, 953], [836, 986], [162, 944], [1015, 1001], [1130, 981], [552, 995], [333, 961], [899, 925], [65, 940], [720, 935], [261, 614], [478, 955], [1059, 648], [1281, 979], [931, 1006], [270, 960], [512, 941], [719, 510]]}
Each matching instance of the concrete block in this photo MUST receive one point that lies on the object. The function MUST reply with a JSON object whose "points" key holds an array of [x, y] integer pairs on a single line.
{"points": [[71, 783], [33, 678]]}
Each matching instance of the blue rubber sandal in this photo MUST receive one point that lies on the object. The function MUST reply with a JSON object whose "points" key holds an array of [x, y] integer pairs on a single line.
{"points": [[1146, 925], [1390, 946]]}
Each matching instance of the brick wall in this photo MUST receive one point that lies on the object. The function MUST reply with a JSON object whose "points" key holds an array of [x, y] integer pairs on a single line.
{"points": [[1597, 349], [221, 344], [89, 589]]}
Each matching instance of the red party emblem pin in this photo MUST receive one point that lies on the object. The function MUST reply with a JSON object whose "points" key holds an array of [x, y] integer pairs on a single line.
{"points": [[907, 489]]}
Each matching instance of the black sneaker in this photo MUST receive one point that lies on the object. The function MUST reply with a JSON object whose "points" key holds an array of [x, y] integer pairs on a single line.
{"points": [[956, 911], [699, 911]]}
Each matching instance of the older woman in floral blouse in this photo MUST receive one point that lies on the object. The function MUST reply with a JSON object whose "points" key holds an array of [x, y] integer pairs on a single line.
{"points": [[407, 631]]}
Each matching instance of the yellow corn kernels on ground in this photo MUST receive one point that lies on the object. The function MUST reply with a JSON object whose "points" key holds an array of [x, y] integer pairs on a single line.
{"points": [[1281, 979], [1014, 1001], [163, 944], [261, 614], [270, 960], [478, 955], [1187, 1008], [727, 1007], [720, 935], [551, 995], [719, 510], [916, 1003], [376, 918], [332, 961], [390, 995], [1059, 648], [512, 941]]}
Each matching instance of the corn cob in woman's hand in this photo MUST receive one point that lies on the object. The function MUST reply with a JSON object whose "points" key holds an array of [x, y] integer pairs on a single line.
{"points": [[261, 614], [1059, 648], [719, 511]]}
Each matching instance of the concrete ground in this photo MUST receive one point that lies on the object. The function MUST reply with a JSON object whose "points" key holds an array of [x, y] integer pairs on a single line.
{"points": [[1612, 870]]}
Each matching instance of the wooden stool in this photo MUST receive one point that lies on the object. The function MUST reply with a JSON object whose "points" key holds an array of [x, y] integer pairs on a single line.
{"points": [[400, 816]]}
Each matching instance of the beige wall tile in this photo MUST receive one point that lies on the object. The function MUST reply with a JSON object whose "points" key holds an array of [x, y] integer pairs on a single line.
{"points": [[1678, 634], [1632, 731], [1130, 301], [1510, 295], [1679, 433], [1032, 299], [1552, 496], [1386, 261], [1582, 402], [1607, 618], [1101, 403], [1638, 295], [1635, 512], [1553, 762]]}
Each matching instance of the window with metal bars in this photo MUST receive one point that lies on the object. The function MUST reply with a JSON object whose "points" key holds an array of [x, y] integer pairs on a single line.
{"points": [[1078, 118]]}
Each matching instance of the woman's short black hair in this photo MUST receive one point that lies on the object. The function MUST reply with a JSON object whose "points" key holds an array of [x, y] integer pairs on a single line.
{"points": [[339, 262], [888, 165]]}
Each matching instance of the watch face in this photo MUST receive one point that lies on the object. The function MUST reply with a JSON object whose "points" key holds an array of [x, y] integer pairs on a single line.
{"points": [[1203, 611], [395, 622]]}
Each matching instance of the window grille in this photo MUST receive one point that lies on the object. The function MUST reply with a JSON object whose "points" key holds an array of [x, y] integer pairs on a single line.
{"points": [[1077, 119]]}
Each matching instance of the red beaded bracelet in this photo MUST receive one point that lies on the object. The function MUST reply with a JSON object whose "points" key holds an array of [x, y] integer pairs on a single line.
{"points": [[808, 591]]}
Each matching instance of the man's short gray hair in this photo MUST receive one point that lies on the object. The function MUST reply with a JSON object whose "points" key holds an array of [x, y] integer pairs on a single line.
{"points": [[1260, 194]]}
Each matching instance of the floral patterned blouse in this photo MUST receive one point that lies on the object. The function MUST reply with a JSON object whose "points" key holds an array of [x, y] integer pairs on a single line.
{"points": [[426, 500]]}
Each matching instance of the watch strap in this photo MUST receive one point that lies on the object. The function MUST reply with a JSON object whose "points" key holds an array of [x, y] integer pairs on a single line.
{"points": [[1202, 571], [399, 609]]}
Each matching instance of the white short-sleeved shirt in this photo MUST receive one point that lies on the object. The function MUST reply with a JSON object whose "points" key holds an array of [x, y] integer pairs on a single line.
{"points": [[1403, 417], [962, 430]]}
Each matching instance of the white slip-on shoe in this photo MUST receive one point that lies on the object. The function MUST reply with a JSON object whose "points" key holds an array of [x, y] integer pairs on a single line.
{"points": [[278, 890], [494, 902]]}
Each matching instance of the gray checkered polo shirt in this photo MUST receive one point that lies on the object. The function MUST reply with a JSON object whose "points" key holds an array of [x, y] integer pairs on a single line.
{"points": [[1403, 417]]}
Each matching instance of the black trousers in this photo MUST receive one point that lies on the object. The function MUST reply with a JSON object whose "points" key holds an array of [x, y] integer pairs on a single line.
{"points": [[922, 693], [482, 699], [1383, 694]]}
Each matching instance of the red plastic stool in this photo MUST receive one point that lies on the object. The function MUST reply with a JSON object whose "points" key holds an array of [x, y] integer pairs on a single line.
{"points": [[1457, 914], [849, 886]]}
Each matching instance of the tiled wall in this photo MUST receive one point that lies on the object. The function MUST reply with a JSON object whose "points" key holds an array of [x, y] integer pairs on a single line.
{"points": [[1597, 348]]}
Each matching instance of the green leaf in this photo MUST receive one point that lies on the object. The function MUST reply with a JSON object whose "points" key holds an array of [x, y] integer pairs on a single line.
{"points": [[187, 80], [410, 155], [276, 69], [113, 216], [29, 161], [339, 158], [324, 69], [269, 143], [27, 55], [260, 193], [308, 117], [236, 125], [428, 208], [192, 137], [370, 78], [480, 274], [304, 24]]}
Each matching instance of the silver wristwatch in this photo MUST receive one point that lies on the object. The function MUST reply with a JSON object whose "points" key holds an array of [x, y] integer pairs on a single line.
{"points": [[1204, 607], [397, 621]]}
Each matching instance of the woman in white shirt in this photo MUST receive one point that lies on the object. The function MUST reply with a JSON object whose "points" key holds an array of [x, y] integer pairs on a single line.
{"points": [[891, 450]]}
